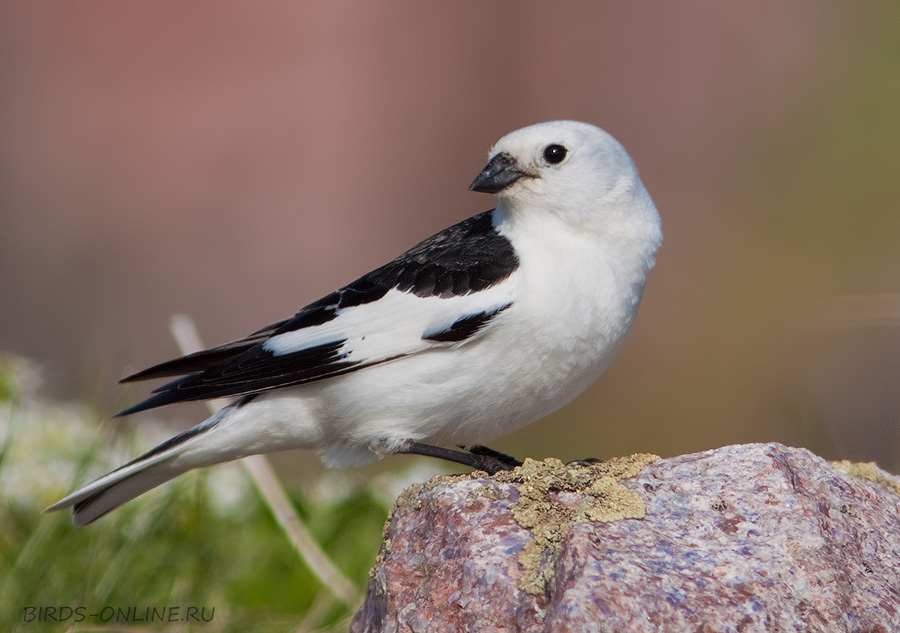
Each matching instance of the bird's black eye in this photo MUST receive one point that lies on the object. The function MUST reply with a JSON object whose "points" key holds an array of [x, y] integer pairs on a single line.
{"points": [[554, 154]]}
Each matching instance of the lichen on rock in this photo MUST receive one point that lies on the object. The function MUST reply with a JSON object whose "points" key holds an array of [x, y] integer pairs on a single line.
{"points": [[554, 497], [866, 470]]}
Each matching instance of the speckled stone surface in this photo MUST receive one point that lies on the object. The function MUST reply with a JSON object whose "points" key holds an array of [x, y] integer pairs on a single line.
{"points": [[751, 538]]}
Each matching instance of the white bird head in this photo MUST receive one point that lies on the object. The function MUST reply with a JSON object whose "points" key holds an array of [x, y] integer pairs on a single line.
{"points": [[576, 172]]}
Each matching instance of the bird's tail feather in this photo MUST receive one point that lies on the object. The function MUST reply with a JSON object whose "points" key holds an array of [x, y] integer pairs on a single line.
{"points": [[155, 467], [104, 500]]}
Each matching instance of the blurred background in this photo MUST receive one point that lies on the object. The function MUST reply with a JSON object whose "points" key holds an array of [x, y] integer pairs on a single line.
{"points": [[234, 161]]}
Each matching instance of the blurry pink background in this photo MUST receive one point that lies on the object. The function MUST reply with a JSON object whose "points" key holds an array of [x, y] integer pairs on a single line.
{"points": [[235, 161]]}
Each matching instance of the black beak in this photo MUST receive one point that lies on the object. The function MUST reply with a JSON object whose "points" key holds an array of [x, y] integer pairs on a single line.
{"points": [[499, 174]]}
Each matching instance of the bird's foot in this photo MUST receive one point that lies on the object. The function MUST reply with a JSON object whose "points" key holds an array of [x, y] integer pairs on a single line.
{"points": [[510, 461], [477, 457], [587, 461]]}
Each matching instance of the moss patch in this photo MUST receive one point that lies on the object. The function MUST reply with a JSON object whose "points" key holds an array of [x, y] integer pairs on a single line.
{"points": [[545, 508]]}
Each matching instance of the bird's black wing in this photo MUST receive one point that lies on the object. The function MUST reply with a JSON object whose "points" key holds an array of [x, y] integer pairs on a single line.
{"points": [[463, 260]]}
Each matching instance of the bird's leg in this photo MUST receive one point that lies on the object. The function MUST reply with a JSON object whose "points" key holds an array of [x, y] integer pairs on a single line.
{"points": [[489, 463]]}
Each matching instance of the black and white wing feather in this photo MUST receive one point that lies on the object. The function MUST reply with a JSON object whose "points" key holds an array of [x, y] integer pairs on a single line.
{"points": [[442, 292]]}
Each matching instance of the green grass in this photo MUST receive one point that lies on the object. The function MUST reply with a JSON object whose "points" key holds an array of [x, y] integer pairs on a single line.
{"points": [[205, 541]]}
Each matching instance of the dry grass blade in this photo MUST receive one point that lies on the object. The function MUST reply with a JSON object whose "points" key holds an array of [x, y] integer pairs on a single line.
{"points": [[265, 480]]}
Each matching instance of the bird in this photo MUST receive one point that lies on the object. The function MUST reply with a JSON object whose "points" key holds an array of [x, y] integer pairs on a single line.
{"points": [[477, 331]]}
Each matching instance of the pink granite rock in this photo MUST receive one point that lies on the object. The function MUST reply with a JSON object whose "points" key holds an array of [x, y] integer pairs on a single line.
{"points": [[752, 538]]}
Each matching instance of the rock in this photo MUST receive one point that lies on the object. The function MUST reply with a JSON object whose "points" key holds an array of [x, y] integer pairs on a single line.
{"points": [[748, 538]]}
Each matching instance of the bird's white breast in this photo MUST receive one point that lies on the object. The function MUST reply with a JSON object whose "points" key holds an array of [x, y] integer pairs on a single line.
{"points": [[572, 304]]}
